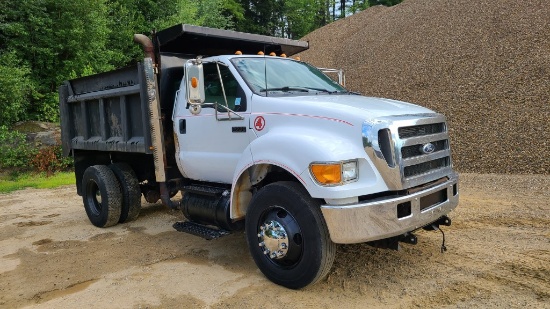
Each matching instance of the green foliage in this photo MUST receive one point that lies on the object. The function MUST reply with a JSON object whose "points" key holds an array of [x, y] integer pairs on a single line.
{"points": [[44, 42], [262, 17], [54, 38], [233, 10], [15, 151], [9, 183], [50, 159], [127, 17], [16, 88], [301, 17], [200, 13], [384, 2], [359, 6]]}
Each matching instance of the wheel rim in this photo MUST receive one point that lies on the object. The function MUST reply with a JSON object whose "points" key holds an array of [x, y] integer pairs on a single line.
{"points": [[93, 195], [279, 237]]}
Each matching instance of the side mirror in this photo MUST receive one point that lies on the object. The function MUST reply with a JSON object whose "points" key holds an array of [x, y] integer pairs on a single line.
{"points": [[194, 78]]}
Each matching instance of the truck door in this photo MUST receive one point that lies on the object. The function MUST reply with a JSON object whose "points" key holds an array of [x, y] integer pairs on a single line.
{"points": [[212, 142]]}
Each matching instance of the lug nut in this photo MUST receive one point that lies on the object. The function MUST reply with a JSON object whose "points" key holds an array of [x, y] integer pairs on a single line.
{"points": [[283, 245]]}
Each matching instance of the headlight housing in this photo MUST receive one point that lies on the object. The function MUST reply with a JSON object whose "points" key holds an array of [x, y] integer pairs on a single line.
{"points": [[334, 173]]}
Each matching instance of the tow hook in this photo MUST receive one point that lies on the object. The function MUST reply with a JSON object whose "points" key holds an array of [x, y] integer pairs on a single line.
{"points": [[444, 220], [393, 242], [408, 238]]}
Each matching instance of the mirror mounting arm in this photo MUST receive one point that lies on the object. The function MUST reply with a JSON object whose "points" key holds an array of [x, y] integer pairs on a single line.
{"points": [[223, 91]]}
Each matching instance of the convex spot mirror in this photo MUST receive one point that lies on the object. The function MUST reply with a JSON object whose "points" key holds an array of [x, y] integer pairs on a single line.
{"points": [[194, 78]]}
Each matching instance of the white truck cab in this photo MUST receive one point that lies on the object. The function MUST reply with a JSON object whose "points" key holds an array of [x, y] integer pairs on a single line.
{"points": [[267, 143], [283, 113]]}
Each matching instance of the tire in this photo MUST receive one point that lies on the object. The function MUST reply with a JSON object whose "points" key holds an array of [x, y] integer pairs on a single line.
{"points": [[131, 192], [283, 212], [101, 196]]}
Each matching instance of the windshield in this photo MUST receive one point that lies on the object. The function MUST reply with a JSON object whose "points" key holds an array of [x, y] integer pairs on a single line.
{"points": [[279, 76]]}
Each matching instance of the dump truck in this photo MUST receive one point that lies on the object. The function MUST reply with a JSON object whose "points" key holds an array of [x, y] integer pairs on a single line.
{"points": [[256, 140]]}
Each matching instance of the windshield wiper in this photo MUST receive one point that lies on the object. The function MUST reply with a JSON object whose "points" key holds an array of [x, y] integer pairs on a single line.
{"points": [[285, 89], [298, 88], [321, 90]]}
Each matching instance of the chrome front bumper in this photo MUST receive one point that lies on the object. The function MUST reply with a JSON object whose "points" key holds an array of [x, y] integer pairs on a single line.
{"points": [[379, 219]]}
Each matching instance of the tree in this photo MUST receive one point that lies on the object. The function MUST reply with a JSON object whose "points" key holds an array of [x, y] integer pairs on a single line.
{"points": [[54, 38], [16, 89], [44, 42], [262, 17], [384, 2], [300, 18], [286, 18]]}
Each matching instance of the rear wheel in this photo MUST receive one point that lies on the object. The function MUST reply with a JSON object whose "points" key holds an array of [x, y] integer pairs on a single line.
{"points": [[101, 196], [287, 235], [131, 192]]}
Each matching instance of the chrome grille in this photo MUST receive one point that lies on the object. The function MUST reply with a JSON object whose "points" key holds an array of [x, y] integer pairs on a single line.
{"points": [[416, 150], [395, 143], [422, 168], [421, 130], [417, 165]]}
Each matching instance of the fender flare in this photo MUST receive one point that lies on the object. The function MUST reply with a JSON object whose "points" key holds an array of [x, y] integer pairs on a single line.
{"points": [[288, 151]]}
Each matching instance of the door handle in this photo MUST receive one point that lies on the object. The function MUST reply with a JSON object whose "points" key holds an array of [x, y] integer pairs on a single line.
{"points": [[183, 128]]}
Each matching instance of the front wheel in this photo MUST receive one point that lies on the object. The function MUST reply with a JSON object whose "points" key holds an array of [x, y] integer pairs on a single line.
{"points": [[287, 235]]}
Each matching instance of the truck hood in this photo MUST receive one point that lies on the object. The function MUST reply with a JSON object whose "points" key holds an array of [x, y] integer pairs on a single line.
{"points": [[364, 107]]}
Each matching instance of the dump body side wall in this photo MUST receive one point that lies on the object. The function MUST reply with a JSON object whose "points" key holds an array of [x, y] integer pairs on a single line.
{"points": [[106, 112]]}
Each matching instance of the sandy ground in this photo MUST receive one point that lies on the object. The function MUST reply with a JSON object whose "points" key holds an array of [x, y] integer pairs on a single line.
{"points": [[498, 257]]}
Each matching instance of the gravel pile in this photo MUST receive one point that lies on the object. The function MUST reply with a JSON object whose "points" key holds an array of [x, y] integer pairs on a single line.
{"points": [[484, 64]]}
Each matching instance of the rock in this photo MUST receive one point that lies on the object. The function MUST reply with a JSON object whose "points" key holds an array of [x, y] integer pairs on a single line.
{"points": [[40, 133], [484, 64]]}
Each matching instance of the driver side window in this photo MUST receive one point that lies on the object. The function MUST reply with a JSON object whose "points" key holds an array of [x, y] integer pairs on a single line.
{"points": [[236, 100]]}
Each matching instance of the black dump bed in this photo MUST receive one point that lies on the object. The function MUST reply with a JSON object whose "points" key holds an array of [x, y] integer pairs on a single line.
{"points": [[188, 39], [111, 111], [106, 112]]}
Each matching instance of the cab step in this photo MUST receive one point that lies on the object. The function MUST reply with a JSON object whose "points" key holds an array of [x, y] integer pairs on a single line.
{"points": [[205, 190], [200, 230]]}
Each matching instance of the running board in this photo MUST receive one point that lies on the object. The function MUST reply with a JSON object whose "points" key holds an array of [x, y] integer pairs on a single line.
{"points": [[205, 190], [200, 230]]}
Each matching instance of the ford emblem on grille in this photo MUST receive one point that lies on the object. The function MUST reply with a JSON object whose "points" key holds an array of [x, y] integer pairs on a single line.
{"points": [[428, 148]]}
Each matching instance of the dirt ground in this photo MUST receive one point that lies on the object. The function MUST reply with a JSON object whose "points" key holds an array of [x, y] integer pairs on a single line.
{"points": [[498, 257]]}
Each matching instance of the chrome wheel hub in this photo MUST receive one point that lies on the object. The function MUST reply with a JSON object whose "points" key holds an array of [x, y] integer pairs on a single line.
{"points": [[273, 238]]}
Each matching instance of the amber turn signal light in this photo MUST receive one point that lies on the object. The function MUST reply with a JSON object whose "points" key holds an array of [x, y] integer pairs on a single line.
{"points": [[194, 82], [327, 173]]}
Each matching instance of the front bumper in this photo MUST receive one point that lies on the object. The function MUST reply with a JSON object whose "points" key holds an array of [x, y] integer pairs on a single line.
{"points": [[379, 219]]}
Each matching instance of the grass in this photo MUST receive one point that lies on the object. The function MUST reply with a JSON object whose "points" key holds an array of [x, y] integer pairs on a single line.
{"points": [[38, 181]]}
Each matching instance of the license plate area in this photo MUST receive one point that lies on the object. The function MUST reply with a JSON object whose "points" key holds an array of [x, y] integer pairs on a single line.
{"points": [[433, 199]]}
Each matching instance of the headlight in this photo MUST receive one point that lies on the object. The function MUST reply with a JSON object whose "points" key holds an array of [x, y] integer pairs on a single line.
{"points": [[334, 173]]}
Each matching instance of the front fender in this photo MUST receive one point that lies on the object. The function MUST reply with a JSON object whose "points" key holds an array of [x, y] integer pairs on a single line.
{"points": [[292, 149]]}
